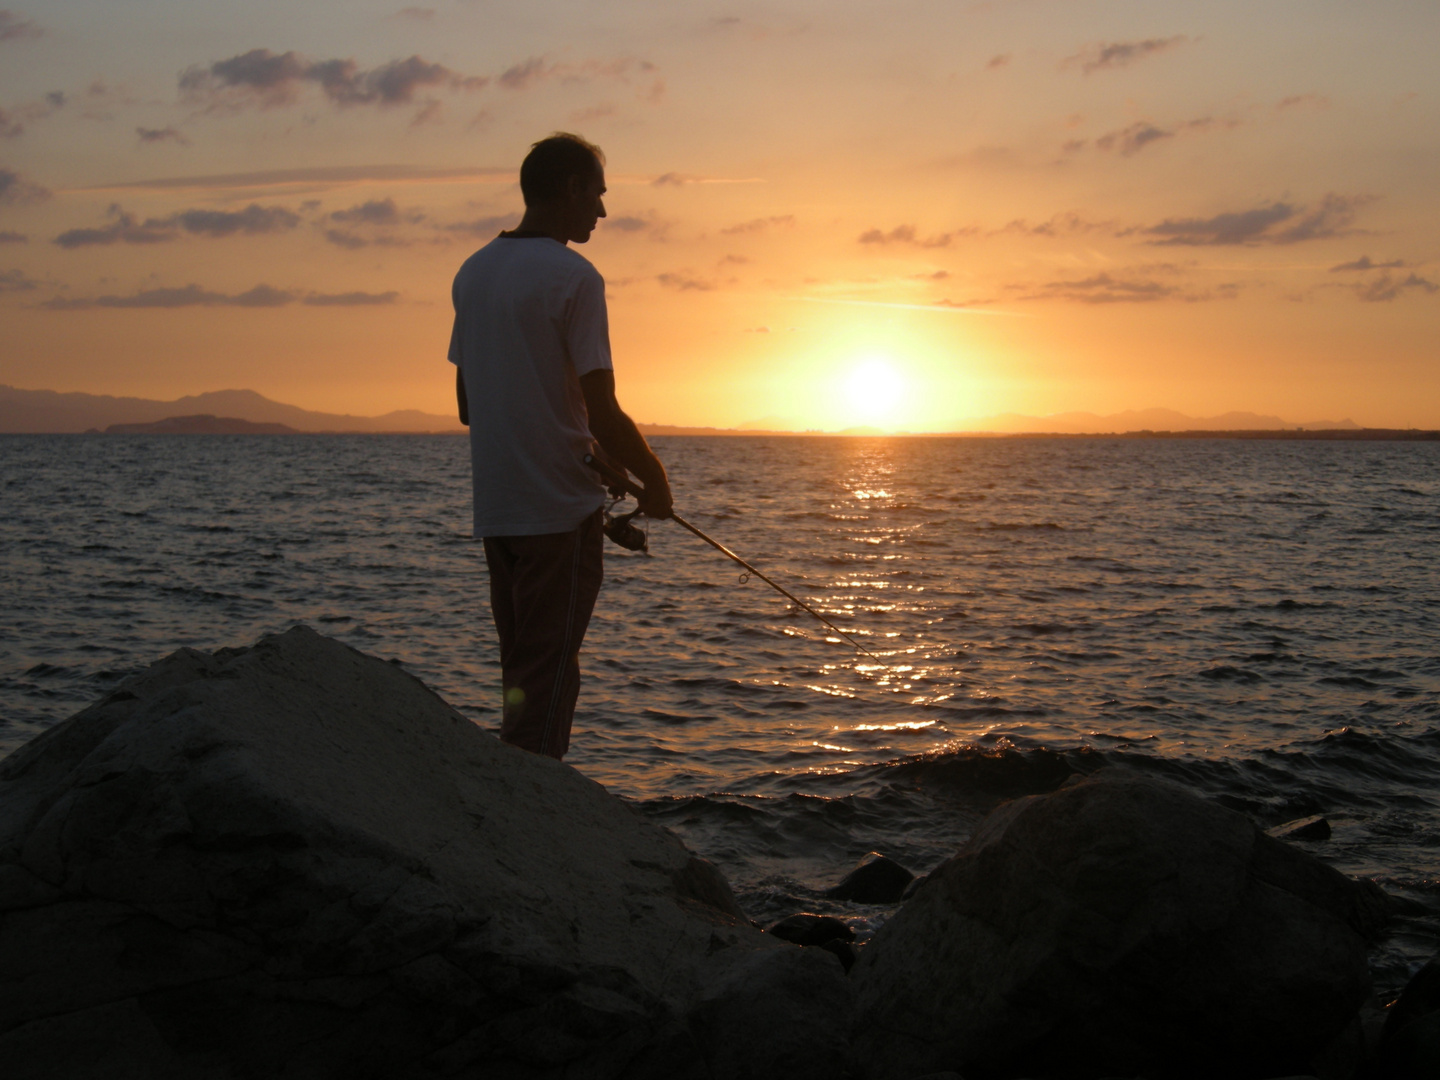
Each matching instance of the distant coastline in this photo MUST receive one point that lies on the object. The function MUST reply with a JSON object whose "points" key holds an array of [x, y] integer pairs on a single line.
{"points": [[245, 412]]}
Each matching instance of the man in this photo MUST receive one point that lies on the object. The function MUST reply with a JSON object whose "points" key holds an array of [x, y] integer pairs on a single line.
{"points": [[534, 383]]}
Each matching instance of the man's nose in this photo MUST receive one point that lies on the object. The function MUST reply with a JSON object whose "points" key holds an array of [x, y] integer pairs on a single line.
{"points": [[600, 205]]}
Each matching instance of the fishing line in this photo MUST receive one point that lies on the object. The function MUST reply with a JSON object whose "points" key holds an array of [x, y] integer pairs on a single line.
{"points": [[616, 480]]}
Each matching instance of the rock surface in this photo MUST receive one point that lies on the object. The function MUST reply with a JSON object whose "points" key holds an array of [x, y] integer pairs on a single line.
{"points": [[295, 860], [1119, 926], [876, 879], [1409, 1046]]}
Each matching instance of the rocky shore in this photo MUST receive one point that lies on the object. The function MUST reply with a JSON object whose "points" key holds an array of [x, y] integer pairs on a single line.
{"points": [[294, 860]]}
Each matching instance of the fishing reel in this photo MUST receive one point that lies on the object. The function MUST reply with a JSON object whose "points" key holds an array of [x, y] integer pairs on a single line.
{"points": [[622, 529]]}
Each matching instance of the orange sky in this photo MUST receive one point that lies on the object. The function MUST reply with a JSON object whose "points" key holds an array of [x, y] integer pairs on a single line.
{"points": [[822, 215]]}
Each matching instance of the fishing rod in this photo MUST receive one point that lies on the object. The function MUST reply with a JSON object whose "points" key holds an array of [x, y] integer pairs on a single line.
{"points": [[617, 480]]}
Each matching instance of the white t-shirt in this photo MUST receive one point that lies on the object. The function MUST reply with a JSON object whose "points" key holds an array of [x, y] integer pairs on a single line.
{"points": [[530, 319]]}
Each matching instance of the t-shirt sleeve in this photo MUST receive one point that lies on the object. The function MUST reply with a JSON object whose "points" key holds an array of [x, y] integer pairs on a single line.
{"points": [[588, 329]]}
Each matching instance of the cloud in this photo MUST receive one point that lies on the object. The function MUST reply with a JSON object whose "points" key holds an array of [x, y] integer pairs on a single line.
{"points": [[15, 190], [534, 70], [906, 234], [1104, 289], [1278, 223], [16, 27], [419, 14], [11, 126], [350, 299], [485, 227], [16, 281], [523, 74], [13, 238], [269, 80], [627, 224], [254, 220], [1386, 288], [126, 228], [157, 135], [760, 224], [1068, 223], [1295, 101], [999, 60], [1131, 140], [1120, 54], [1364, 263], [374, 212], [261, 296], [684, 282], [314, 177]]}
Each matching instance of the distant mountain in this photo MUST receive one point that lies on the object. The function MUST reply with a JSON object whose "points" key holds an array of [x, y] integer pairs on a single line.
{"points": [[46, 411], [1085, 423], [204, 424]]}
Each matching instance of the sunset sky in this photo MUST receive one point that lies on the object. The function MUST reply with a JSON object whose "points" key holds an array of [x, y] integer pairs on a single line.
{"points": [[908, 214]]}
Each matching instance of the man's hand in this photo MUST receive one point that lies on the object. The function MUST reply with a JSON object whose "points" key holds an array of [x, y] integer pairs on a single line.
{"points": [[621, 440]]}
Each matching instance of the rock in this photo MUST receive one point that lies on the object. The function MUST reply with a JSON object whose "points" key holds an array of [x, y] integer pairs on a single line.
{"points": [[295, 859], [875, 880], [843, 951], [1119, 926], [1409, 1044], [1314, 827], [763, 1011], [808, 929]]}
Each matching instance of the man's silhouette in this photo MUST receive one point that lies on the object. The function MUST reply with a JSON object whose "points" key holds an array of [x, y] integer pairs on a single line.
{"points": [[534, 382]]}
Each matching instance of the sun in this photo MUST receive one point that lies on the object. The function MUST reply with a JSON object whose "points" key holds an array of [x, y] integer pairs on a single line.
{"points": [[874, 389]]}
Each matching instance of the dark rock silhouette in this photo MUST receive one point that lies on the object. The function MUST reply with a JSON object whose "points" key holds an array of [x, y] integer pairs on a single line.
{"points": [[1119, 926], [808, 929], [1409, 1047], [876, 879], [294, 859]]}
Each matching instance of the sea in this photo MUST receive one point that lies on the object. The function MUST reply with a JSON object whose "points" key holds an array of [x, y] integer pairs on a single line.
{"points": [[1259, 620]]}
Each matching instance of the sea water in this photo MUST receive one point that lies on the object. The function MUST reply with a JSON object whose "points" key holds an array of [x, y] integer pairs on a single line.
{"points": [[1257, 619]]}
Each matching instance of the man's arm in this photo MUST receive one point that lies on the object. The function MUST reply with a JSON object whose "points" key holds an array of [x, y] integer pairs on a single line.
{"points": [[461, 400], [621, 439]]}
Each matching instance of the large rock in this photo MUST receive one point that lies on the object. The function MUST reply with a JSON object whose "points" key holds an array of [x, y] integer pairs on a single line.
{"points": [[295, 860], [1118, 926]]}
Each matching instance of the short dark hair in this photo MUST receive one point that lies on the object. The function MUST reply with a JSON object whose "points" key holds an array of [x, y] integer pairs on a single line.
{"points": [[551, 162]]}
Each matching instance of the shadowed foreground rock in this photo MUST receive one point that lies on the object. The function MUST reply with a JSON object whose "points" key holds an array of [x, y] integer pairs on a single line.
{"points": [[1117, 927], [294, 860]]}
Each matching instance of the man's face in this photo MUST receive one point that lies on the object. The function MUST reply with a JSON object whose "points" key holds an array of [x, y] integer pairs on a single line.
{"points": [[585, 207]]}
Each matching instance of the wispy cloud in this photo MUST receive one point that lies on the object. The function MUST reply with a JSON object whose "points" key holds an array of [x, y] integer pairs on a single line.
{"points": [[684, 281], [1296, 101], [1137, 136], [13, 238], [1137, 285], [316, 178], [485, 227], [126, 228], [268, 80], [1118, 54], [261, 296], [418, 14], [760, 224], [159, 135], [1278, 223], [1385, 288], [1067, 223], [1365, 263], [16, 27], [906, 234], [999, 60], [16, 281], [15, 190]]}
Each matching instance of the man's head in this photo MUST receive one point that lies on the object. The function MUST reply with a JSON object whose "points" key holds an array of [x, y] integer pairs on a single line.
{"points": [[564, 175]]}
